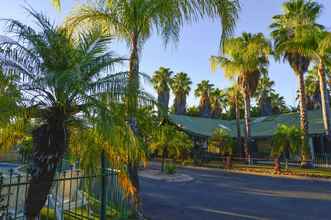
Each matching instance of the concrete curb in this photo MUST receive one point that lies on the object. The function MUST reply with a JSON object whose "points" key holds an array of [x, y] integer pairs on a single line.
{"points": [[295, 177], [156, 175], [260, 174]]}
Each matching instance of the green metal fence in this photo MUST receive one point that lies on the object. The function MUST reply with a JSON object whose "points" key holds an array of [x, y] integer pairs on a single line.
{"points": [[74, 195]]}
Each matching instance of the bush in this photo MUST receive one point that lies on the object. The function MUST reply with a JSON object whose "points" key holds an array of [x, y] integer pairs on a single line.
{"points": [[170, 168]]}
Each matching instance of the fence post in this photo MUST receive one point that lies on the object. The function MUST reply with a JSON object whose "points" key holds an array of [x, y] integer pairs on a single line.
{"points": [[103, 187], [2, 199]]}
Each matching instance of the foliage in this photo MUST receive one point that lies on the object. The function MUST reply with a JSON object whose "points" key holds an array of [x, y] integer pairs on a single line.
{"points": [[181, 87], [193, 111], [69, 89], [161, 82], [204, 91], [170, 168], [218, 101], [245, 58], [222, 140], [141, 17], [177, 143], [286, 138]]}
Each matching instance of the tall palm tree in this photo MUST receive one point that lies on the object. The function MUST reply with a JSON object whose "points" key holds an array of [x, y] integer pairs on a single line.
{"points": [[181, 87], [320, 54], [263, 95], [234, 98], [245, 58], [60, 79], [217, 99], [161, 81], [289, 31], [312, 89], [203, 91], [278, 103], [135, 20]]}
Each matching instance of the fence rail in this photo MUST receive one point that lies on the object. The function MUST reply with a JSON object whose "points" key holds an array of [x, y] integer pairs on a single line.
{"points": [[319, 160], [74, 195]]}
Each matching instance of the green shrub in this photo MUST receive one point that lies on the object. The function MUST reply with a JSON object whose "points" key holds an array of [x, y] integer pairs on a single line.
{"points": [[170, 168]]}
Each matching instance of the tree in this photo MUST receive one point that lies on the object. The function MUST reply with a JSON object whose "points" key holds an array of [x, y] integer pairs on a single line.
{"points": [[60, 79], [217, 99], [203, 91], [312, 89], [263, 95], [245, 59], [234, 98], [181, 87], [278, 104], [287, 139], [320, 55], [222, 140], [134, 21], [193, 111], [170, 142], [291, 42], [161, 81]]}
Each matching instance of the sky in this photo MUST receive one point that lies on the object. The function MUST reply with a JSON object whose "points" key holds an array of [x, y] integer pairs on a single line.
{"points": [[197, 42]]}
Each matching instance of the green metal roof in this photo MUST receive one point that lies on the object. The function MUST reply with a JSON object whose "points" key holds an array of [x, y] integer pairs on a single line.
{"points": [[261, 126]]}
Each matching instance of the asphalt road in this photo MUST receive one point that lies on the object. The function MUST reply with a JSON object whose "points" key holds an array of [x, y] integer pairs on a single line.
{"points": [[216, 195]]}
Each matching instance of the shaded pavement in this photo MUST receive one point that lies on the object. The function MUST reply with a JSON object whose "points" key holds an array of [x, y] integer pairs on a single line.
{"points": [[215, 195]]}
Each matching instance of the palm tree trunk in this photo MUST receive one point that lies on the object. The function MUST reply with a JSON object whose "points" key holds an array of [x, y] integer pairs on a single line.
{"points": [[305, 153], [164, 152], [325, 101], [50, 144], [277, 168], [247, 130], [242, 151], [132, 105]]}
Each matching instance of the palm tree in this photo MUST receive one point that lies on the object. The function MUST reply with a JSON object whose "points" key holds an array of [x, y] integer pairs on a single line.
{"points": [[245, 59], [59, 78], [285, 140], [222, 140], [278, 104], [134, 21], [312, 89], [170, 142], [263, 95], [203, 91], [161, 81], [181, 87], [193, 111], [291, 41], [320, 54], [217, 98], [234, 98]]}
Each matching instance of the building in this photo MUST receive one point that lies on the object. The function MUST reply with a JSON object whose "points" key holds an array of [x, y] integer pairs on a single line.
{"points": [[263, 129]]}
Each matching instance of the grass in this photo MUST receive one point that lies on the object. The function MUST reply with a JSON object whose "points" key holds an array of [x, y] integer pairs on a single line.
{"points": [[269, 169]]}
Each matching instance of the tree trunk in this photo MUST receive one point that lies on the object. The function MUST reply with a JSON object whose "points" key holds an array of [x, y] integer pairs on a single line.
{"points": [[228, 162], [50, 144], [277, 168], [305, 154], [180, 104], [132, 105], [164, 152], [242, 151], [325, 101], [163, 100], [247, 130]]}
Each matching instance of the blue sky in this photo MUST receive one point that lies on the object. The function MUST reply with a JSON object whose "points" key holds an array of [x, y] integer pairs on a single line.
{"points": [[197, 43]]}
